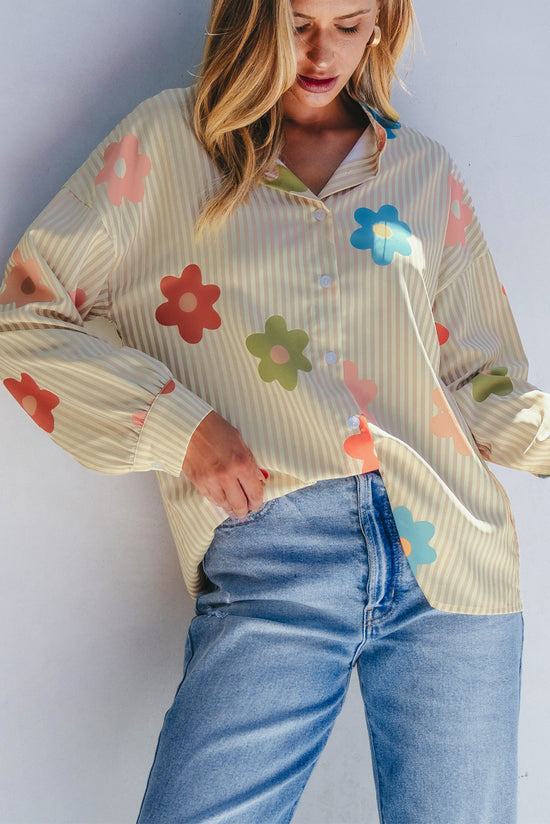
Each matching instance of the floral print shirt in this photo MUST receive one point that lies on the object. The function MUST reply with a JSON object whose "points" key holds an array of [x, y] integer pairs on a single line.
{"points": [[362, 328]]}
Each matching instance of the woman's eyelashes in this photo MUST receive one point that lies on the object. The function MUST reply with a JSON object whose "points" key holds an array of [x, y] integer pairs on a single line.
{"points": [[343, 29]]}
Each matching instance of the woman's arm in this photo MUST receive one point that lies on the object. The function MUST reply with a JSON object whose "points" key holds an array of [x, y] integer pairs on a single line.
{"points": [[483, 364]]}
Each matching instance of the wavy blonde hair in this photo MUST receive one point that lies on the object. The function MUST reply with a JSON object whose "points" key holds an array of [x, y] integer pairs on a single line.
{"points": [[249, 62]]}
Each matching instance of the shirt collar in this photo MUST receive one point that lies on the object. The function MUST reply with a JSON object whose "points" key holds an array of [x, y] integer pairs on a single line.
{"points": [[350, 173]]}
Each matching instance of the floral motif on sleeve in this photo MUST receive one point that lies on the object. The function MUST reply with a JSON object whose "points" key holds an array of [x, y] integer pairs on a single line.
{"points": [[363, 391], [280, 351], [124, 171], [38, 403], [383, 233], [494, 382], [189, 305], [460, 215], [445, 425], [415, 538], [23, 283], [361, 446]]}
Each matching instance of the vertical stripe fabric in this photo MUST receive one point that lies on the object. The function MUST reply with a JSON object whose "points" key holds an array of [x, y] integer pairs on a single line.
{"points": [[362, 327]]}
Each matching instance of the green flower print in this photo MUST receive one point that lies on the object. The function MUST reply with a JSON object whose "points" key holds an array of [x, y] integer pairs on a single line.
{"points": [[494, 382], [280, 352], [282, 178]]}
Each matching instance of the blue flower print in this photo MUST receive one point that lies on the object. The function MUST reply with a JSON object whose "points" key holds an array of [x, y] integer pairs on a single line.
{"points": [[390, 126], [415, 537], [383, 232]]}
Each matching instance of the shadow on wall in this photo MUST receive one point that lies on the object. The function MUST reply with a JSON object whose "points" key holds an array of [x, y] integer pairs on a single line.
{"points": [[57, 124]]}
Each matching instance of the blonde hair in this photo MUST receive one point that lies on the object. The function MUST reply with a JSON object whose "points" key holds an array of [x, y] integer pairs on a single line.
{"points": [[248, 64]]}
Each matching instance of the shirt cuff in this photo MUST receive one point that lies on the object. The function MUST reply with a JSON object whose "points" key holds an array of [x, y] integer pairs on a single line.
{"points": [[167, 429]]}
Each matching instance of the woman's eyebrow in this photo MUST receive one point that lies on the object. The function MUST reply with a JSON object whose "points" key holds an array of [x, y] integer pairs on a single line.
{"points": [[340, 17]]}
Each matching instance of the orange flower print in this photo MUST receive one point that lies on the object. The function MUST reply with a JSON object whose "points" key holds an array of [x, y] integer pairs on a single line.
{"points": [[124, 171], [22, 284], [38, 403], [189, 305], [445, 425], [361, 446], [363, 391], [460, 215]]}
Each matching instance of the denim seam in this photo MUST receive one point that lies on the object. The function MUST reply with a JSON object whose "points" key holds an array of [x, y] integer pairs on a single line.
{"points": [[369, 621]]}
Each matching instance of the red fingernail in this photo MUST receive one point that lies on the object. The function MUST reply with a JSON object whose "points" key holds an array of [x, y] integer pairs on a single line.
{"points": [[265, 473]]}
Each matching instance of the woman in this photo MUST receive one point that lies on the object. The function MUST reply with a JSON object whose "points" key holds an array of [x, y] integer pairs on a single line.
{"points": [[315, 334]]}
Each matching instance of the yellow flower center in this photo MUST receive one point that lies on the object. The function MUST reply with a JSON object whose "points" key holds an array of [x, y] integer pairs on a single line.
{"points": [[29, 404], [188, 302], [382, 230], [407, 548], [279, 354]]}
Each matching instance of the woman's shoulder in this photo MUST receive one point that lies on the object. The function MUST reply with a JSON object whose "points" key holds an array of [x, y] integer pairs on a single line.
{"points": [[162, 109], [410, 142], [155, 128]]}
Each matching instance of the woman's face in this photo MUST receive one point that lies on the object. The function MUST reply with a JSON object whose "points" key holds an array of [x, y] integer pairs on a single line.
{"points": [[331, 37]]}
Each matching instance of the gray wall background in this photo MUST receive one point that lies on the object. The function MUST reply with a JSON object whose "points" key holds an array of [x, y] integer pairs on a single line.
{"points": [[93, 608]]}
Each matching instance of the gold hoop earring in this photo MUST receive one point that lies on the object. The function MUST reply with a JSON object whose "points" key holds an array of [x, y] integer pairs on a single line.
{"points": [[375, 38]]}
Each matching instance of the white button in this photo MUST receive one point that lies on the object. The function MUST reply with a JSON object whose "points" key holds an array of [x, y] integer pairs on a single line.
{"points": [[331, 358], [353, 422], [325, 281], [319, 214]]}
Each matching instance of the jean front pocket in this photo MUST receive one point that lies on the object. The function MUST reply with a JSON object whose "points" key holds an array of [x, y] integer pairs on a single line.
{"points": [[232, 523]]}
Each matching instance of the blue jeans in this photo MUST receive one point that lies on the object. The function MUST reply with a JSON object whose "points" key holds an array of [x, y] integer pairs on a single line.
{"points": [[299, 593]]}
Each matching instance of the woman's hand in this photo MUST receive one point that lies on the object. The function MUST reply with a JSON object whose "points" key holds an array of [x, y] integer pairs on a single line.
{"points": [[221, 466]]}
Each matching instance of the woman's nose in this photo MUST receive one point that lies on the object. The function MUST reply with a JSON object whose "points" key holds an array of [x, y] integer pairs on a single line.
{"points": [[319, 50]]}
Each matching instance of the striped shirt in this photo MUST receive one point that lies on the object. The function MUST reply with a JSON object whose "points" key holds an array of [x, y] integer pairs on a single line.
{"points": [[361, 328]]}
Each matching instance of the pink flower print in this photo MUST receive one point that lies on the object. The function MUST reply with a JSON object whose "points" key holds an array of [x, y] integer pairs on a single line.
{"points": [[189, 305], [78, 297], [364, 391], [38, 403], [460, 215], [445, 425], [138, 419], [361, 446], [442, 333], [124, 171], [23, 283]]}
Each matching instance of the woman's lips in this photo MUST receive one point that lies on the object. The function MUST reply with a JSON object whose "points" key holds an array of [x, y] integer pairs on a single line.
{"points": [[316, 84]]}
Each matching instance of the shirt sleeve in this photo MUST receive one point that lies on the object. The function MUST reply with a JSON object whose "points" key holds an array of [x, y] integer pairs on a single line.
{"points": [[483, 363], [115, 409]]}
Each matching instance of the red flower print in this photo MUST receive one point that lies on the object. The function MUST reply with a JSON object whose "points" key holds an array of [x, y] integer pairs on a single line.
{"points": [[124, 171], [189, 305], [364, 391], [170, 386], [361, 446], [22, 284], [442, 333], [38, 403], [460, 215]]}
